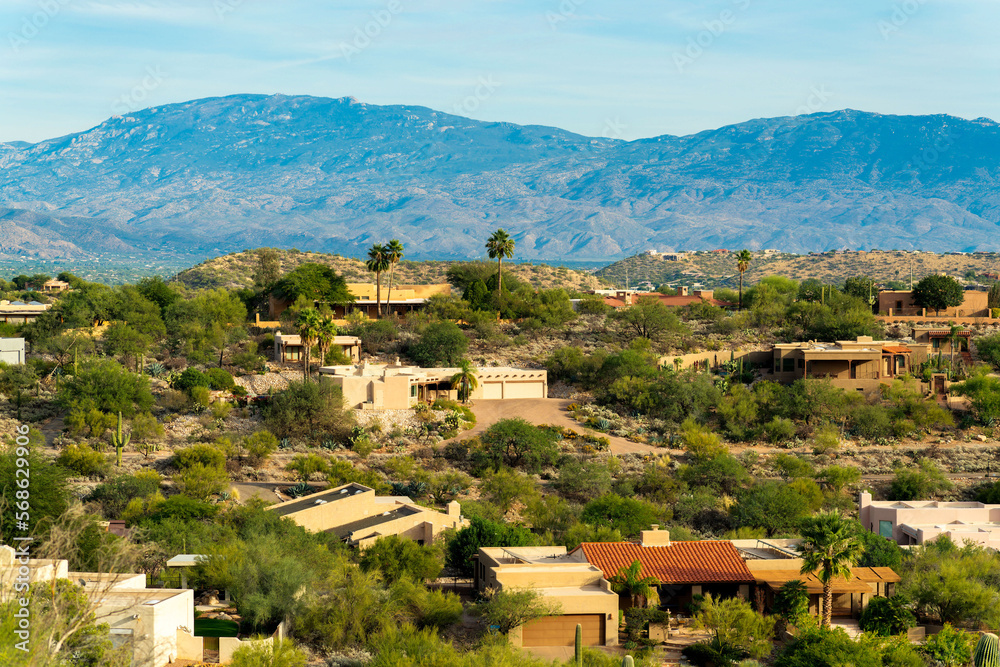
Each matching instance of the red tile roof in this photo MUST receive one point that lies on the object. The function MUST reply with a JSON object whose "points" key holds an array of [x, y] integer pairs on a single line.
{"points": [[679, 563]]}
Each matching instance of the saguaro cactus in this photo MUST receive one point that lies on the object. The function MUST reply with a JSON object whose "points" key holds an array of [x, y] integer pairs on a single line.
{"points": [[987, 653], [578, 646], [119, 441], [627, 661]]}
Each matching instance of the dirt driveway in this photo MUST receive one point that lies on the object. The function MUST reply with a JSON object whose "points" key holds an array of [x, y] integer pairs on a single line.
{"points": [[544, 411]]}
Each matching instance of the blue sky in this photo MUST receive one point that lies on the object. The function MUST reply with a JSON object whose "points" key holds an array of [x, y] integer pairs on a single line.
{"points": [[619, 68]]}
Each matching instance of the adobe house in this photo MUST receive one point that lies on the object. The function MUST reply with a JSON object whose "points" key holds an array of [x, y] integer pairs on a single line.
{"points": [[684, 569], [54, 286], [684, 297], [18, 312], [939, 340], [157, 623], [398, 387], [862, 364], [405, 299], [289, 347], [584, 595], [850, 595], [919, 521], [357, 516], [12, 350], [900, 302]]}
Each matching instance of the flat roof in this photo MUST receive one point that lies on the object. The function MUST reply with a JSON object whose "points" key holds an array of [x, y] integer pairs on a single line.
{"points": [[321, 498], [373, 521], [185, 560]]}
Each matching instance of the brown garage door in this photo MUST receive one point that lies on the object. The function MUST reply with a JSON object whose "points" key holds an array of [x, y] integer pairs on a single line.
{"points": [[561, 630]]}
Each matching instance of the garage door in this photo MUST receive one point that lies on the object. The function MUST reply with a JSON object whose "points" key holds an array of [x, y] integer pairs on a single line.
{"points": [[523, 390], [561, 630], [493, 390]]}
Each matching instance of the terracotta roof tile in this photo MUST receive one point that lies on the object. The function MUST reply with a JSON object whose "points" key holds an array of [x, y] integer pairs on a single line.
{"points": [[679, 563]]}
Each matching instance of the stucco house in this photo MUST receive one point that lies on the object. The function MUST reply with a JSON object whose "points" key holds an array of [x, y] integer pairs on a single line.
{"points": [[920, 521], [12, 350], [157, 623], [404, 299], [356, 515], [861, 364], [289, 348], [900, 302], [398, 387], [580, 589], [18, 312]]}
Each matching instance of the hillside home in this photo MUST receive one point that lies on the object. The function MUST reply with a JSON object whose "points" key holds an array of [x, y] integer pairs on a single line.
{"points": [[920, 521], [938, 340], [399, 387], [18, 312], [583, 594], [12, 350], [684, 569], [684, 297], [404, 299], [288, 348], [900, 303], [357, 516], [54, 286], [862, 364], [157, 623]]}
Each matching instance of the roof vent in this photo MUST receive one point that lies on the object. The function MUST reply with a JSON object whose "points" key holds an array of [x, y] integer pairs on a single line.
{"points": [[320, 502]]}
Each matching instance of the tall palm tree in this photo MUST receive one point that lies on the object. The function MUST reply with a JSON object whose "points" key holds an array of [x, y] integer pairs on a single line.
{"points": [[308, 323], [830, 547], [325, 333], [953, 336], [500, 245], [466, 379], [743, 259], [629, 581], [377, 263], [393, 253]]}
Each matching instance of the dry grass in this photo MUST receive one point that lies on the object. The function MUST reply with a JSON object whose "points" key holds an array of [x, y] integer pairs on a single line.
{"points": [[719, 269], [235, 271]]}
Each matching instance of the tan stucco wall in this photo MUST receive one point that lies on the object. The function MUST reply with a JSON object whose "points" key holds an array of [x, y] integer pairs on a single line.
{"points": [[318, 518], [976, 304]]}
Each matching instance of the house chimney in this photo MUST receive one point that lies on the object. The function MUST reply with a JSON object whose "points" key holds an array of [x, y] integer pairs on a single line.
{"points": [[654, 537], [682, 291], [706, 294]]}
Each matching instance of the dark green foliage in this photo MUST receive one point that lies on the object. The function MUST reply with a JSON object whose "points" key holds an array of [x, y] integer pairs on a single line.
{"points": [[191, 378], [649, 319], [310, 411], [983, 392], [918, 483], [516, 443], [626, 515], [316, 282], [878, 551], [988, 348], [483, 533], [206, 455], [714, 653], [49, 494], [441, 344], [375, 335], [791, 602], [182, 508], [397, 558], [822, 647], [158, 292], [935, 292], [721, 474], [887, 616], [106, 386], [773, 506], [219, 379], [115, 494], [583, 480], [954, 584]]}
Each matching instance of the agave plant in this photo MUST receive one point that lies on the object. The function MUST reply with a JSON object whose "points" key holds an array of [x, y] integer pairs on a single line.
{"points": [[156, 369], [298, 490]]}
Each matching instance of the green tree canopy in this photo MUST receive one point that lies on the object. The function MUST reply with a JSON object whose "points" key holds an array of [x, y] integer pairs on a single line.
{"points": [[316, 282], [936, 292]]}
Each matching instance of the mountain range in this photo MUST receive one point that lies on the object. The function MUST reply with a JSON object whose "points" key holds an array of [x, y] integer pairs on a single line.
{"points": [[216, 175]]}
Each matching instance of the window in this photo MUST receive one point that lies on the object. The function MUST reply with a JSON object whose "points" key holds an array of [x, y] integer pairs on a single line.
{"points": [[413, 391], [885, 529], [788, 365], [936, 343], [802, 363]]}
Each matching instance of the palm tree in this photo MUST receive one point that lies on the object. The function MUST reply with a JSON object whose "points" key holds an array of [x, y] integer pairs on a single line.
{"points": [[743, 259], [393, 253], [377, 263], [325, 333], [953, 336], [500, 245], [629, 581], [830, 547], [308, 323], [466, 379]]}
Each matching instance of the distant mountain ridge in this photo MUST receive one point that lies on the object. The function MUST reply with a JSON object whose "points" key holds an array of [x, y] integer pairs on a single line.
{"points": [[222, 174]]}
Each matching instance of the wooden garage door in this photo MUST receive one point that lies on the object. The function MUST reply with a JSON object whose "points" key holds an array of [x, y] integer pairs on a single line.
{"points": [[561, 630], [492, 390], [523, 390]]}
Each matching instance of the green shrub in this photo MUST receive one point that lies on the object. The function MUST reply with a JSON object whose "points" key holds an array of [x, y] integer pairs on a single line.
{"points": [[201, 397], [84, 461], [205, 455], [190, 378], [201, 482], [260, 446], [219, 379], [779, 430]]}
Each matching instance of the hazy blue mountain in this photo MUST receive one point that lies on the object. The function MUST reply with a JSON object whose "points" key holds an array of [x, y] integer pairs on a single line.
{"points": [[229, 173]]}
